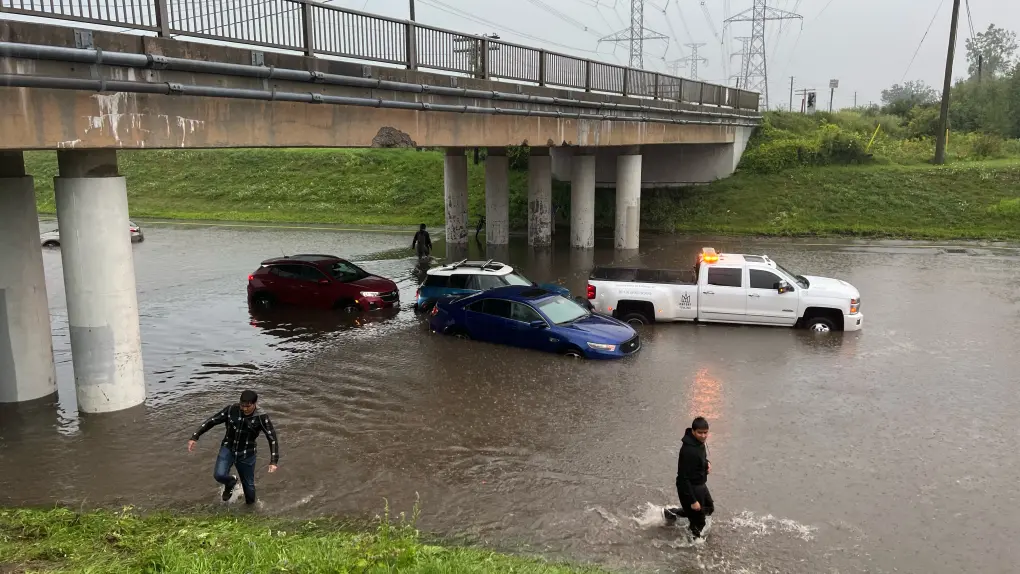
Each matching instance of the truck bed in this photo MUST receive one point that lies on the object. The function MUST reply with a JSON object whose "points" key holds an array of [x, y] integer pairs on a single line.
{"points": [[643, 275]]}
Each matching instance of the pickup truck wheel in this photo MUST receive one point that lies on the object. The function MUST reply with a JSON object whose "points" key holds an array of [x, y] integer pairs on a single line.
{"points": [[51, 243], [459, 334], [820, 325], [635, 319]]}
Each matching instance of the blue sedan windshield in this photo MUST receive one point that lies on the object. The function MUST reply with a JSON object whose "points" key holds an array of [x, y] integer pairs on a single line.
{"points": [[561, 310]]}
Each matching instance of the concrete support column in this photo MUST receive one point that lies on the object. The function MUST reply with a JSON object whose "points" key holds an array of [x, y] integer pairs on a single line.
{"points": [[99, 281], [497, 197], [628, 199], [582, 201], [455, 186], [26, 345], [539, 198]]}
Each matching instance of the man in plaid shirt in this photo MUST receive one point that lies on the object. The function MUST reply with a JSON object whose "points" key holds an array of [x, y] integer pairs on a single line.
{"points": [[244, 422]]}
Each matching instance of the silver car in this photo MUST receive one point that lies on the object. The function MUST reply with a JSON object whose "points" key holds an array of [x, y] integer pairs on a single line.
{"points": [[52, 238]]}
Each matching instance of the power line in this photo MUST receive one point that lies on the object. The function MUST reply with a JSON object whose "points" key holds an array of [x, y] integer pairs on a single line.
{"points": [[930, 24], [573, 22], [970, 20], [442, 7]]}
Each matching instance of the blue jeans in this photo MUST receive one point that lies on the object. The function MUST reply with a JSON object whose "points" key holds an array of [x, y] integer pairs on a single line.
{"points": [[245, 471]]}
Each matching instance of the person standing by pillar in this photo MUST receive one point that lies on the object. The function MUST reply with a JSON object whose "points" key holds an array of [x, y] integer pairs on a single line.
{"points": [[422, 242], [244, 422]]}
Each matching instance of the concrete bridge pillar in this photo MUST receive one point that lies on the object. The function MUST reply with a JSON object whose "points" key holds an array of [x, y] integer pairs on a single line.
{"points": [[628, 198], [539, 198], [497, 197], [99, 281], [582, 201], [455, 186], [26, 345]]}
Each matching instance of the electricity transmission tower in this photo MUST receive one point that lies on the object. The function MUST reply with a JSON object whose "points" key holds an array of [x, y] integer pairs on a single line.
{"points": [[755, 74], [745, 42], [636, 35], [694, 58]]}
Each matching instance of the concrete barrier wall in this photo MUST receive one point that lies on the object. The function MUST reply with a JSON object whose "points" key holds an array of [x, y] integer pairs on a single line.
{"points": [[36, 118]]}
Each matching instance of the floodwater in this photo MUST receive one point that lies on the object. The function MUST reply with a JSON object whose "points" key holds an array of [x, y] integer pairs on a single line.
{"points": [[889, 450]]}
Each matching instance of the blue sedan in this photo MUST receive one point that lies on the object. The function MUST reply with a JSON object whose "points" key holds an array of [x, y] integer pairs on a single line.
{"points": [[533, 318]]}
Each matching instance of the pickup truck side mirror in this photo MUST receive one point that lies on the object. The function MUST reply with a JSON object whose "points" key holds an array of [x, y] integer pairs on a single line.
{"points": [[783, 287], [537, 324]]}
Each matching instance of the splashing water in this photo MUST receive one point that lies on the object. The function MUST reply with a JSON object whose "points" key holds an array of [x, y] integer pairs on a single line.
{"points": [[764, 525]]}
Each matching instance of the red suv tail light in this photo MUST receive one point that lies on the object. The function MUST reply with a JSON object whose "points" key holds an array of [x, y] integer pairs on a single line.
{"points": [[250, 277], [591, 291]]}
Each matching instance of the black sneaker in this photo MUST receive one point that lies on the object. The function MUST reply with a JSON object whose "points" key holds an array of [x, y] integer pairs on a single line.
{"points": [[668, 515], [228, 489]]}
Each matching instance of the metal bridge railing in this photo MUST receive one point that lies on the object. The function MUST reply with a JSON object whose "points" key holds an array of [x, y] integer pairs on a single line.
{"points": [[314, 28]]}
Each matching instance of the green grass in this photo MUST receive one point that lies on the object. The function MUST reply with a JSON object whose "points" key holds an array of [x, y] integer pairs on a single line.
{"points": [[61, 540], [967, 200]]}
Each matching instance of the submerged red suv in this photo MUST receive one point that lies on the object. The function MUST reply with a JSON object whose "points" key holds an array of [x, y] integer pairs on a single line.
{"points": [[322, 281]]}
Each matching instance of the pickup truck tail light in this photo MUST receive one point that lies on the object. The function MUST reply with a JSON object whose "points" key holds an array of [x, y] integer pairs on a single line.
{"points": [[591, 291]]}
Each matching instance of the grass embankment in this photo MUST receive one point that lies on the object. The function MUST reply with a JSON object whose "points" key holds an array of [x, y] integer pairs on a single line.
{"points": [[968, 200], [105, 542]]}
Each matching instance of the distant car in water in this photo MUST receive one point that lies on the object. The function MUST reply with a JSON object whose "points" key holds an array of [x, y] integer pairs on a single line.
{"points": [[322, 281], [534, 318], [466, 277], [52, 238]]}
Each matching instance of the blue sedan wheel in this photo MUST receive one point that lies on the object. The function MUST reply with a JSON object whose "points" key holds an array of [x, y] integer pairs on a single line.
{"points": [[573, 353]]}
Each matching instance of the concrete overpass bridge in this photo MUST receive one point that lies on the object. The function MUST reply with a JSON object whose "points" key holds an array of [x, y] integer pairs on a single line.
{"points": [[300, 74]]}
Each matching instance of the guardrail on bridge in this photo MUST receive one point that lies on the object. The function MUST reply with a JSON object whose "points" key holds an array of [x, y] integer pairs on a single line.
{"points": [[314, 28]]}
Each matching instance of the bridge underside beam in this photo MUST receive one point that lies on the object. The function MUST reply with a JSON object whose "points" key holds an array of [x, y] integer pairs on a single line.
{"points": [[38, 118]]}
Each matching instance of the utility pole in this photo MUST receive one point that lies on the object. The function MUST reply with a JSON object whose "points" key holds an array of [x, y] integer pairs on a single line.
{"points": [[940, 138], [636, 35], [803, 92], [756, 75], [693, 59], [791, 93], [855, 100], [833, 84], [412, 10]]}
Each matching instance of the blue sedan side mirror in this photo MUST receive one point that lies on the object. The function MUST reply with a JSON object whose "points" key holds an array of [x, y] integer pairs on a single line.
{"points": [[538, 324]]}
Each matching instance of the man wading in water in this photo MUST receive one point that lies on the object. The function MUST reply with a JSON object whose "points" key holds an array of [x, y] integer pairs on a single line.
{"points": [[692, 470], [244, 423], [422, 243]]}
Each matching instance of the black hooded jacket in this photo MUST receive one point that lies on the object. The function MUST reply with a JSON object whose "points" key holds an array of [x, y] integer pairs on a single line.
{"points": [[691, 467]]}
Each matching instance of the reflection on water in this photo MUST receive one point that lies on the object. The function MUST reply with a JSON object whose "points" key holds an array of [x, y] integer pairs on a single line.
{"points": [[886, 450]]}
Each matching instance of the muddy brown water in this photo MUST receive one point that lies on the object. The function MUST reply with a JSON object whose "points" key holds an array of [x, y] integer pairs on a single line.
{"points": [[889, 450]]}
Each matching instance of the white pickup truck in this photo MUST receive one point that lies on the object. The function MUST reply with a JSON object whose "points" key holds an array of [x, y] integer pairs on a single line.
{"points": [[726, 288]]}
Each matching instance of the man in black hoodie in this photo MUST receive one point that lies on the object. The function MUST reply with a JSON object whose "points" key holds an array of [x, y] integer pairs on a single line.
{"points": [[692, 470]]}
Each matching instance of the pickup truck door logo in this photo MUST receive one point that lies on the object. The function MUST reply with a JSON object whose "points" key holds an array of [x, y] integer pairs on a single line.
{"points": [[685, 301]]}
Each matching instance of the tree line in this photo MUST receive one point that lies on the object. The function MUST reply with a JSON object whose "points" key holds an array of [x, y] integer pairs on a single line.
{"points": [[986, 100]]}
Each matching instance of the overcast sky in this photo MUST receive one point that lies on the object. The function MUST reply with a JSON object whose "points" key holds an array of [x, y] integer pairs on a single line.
{"points": [[866, 44]]}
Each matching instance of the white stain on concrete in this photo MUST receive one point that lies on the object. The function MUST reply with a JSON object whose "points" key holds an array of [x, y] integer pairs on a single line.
{"points": [[187, 126], [115, 115], [70, 144]]}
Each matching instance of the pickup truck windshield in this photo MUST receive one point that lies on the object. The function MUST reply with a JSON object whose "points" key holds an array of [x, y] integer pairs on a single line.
{"points": [[799, 278], [561, 310], [516, 279]]}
